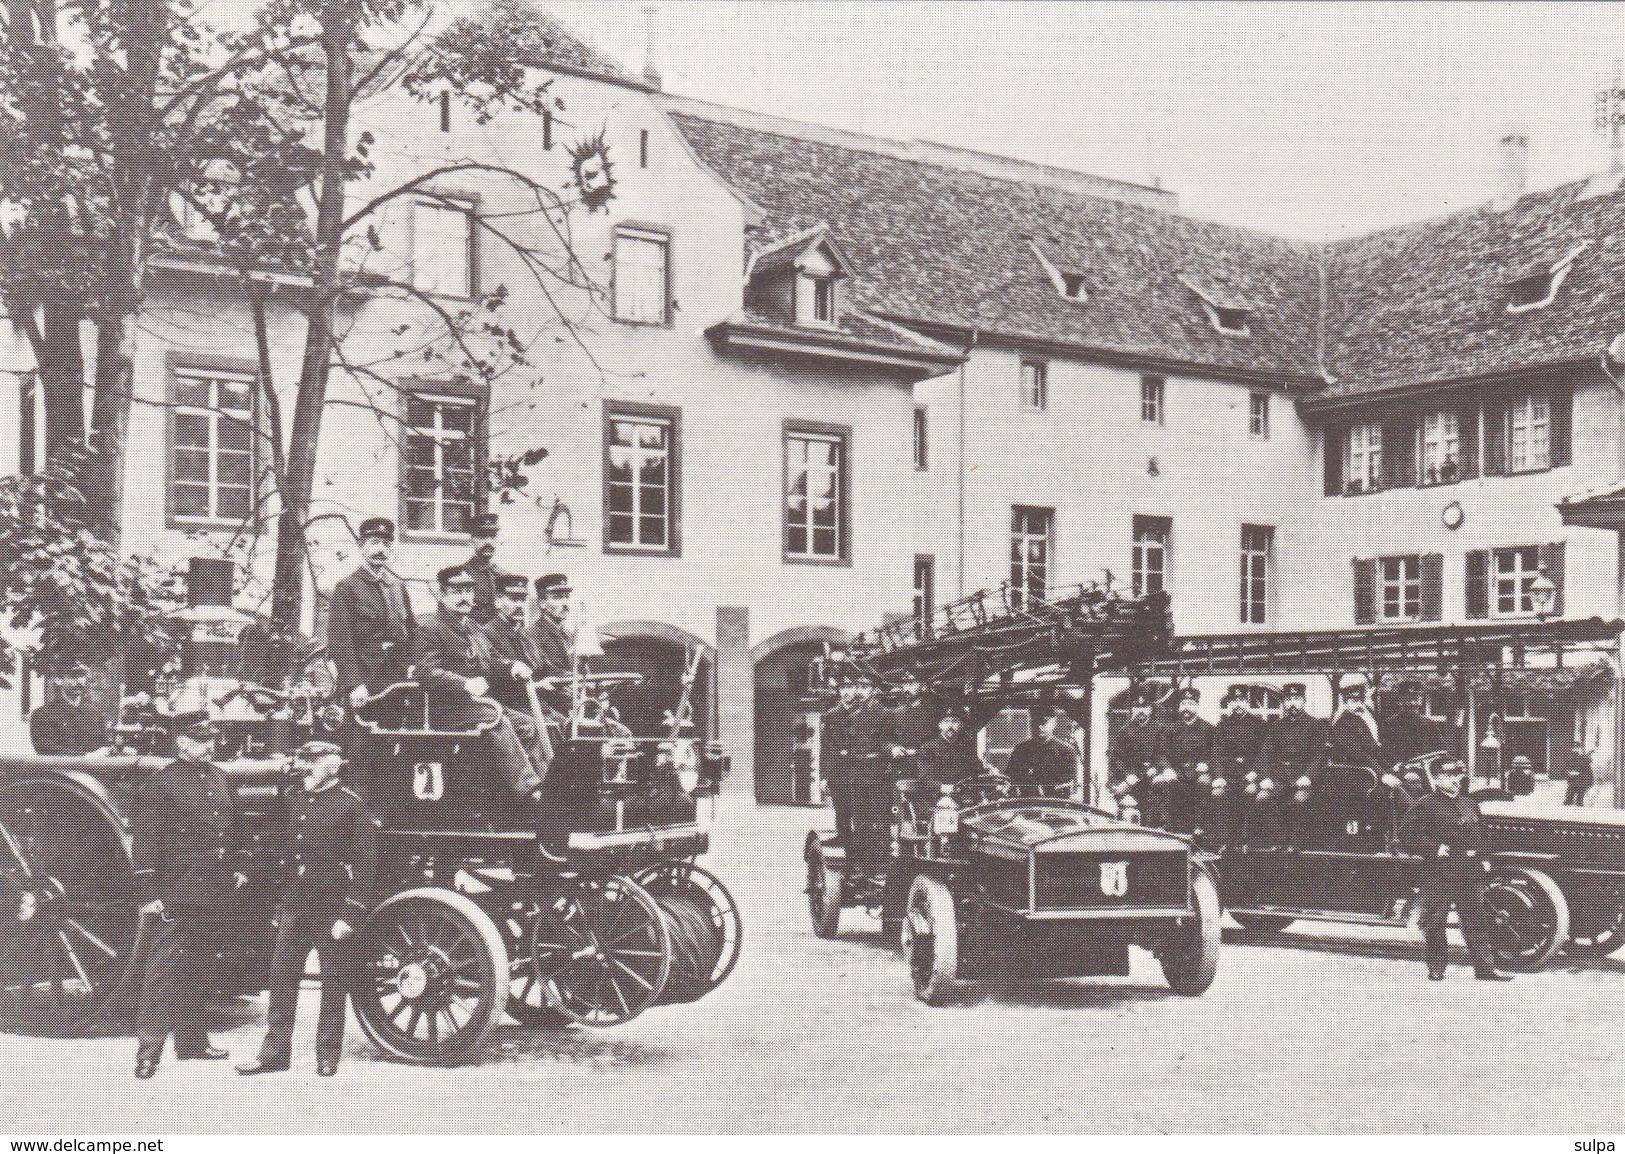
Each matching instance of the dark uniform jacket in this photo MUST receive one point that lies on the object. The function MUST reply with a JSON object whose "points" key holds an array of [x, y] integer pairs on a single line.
{"points": [[1295, 745], [553, 647], [1187, 744], [1406, 735], [183, 825], [369, 630], [511, 643], [58, 729], [446, 649], [1437, 820], [1136, 745], [1213, 820], [485, 575], [1237, 739], [911, 725], [329, 853], [1350, 742], [1041, 760], [835, 738], [942, 762]]}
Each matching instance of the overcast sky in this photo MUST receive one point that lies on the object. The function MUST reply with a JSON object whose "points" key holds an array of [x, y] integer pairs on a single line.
{"points": [[1311, 120]]}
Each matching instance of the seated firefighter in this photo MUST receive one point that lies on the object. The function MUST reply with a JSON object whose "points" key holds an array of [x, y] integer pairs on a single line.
{"points": [[455, 662], [69, 724], [950, 757], [1044, 764]]}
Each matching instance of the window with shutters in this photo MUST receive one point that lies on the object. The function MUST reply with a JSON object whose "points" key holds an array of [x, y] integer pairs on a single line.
{"points": [[1528, 434], [1257, 542], [1439, 448], [642, 287], [641, 479], [1362, 458], [1512, 574], [1032, 547], [1152, 536], [212, 450], [1399, 588]]}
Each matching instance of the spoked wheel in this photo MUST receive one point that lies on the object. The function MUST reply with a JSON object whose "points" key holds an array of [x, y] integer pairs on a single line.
{"points": [[1528, 918], [432, 976], [527, 996], [68, 925], [1190, 958], [601, 950], [825, 885], [705, 926], [1596, 935], [930, 935]]}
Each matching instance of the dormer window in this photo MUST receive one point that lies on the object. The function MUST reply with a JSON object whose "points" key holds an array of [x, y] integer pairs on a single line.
{"points": [[1070, 284], [1531, 289], [1226, 311], [798, 279], [815, 297]]}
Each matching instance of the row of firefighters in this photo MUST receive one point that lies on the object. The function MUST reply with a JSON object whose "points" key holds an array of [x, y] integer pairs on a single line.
{"points": [[1245, 779]]}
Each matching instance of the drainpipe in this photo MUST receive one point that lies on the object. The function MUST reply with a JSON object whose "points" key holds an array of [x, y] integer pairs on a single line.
{"points": [[959, 561]]}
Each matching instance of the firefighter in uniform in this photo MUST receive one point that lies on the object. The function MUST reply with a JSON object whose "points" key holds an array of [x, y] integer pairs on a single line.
{"points": [[1408, 733], [949, 757], [184, 843], [1214, 815], [1043, 764], [1236, 738], [329, 859], [369, 619], [1354, 737], [869, 773], [835, 754], [909, 724], [481, 567], [68, 725], [519, 660], [1134, 750], [1445, 829], [1294, 744], [1187, 749], [551, 642]]}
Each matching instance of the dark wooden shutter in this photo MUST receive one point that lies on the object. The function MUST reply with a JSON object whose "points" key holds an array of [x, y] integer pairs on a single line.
{"points": [[1562, 427], [1431, 566], [1467, 426], [1365, 591], [1478, 583], [1495, 438], [1551, 563], [1332, 446], [1399, 454]]}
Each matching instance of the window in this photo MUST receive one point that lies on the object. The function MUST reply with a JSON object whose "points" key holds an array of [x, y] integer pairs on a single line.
{"points": [[643, 148], [925, 589], [1034, 386], [1232, 321], [1258, 415], [1362, 463], [642, 277], [444, 100], [441, 455], [640, 480], [212, 447], [1440, 445], [547, 130], [1073, 287], [1529, 434], [815, 299], [1032, 542], [1512, 573], [1151, 537], [815, 502], [922, 457], [1151, 398], [1399, 588], [443, 247], [1257, 542]]}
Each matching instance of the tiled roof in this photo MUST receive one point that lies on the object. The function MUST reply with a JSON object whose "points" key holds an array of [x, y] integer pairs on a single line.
{"points": [[1422, 303], [541, 38], [954, 248], [1427, 302]]}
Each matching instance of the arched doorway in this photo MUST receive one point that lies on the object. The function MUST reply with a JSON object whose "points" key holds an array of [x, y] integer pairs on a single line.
{"points": [[787, 715], [661, 654]]}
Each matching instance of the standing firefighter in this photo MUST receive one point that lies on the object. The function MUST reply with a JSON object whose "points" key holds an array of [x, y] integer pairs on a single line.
{"points": [[69, 724], [835, 753], [481, 567], [369, 620], [1446, 829], [329, 859], [185, 848]]}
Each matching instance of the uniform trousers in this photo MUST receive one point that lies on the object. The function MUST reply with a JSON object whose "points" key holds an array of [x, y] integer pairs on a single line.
{"points": [[1455, 882], [298, 932], [177, 976]]}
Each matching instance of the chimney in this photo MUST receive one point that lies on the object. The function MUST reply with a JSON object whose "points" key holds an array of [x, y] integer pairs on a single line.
{"points": [[651, 74], [1514, 164]]}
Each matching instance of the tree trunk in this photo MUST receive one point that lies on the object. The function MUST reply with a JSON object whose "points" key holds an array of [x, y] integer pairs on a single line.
{"points": [[110, 420], [61, 364]]}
